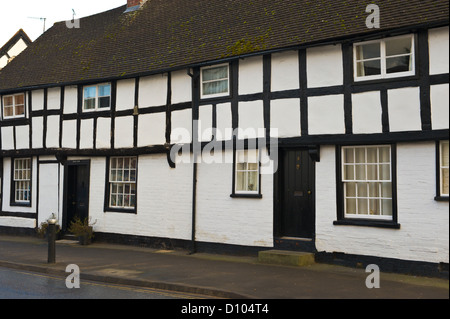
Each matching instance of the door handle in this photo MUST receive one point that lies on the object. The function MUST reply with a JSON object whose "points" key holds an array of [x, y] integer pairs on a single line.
{"points": [[309, 192]]}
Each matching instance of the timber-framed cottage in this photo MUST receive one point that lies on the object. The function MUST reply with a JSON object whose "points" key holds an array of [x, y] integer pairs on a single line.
{"points": [[237, 125]]}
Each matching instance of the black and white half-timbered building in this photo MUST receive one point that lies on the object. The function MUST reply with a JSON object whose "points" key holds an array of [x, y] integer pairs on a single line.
{"points": [[237, 125]]}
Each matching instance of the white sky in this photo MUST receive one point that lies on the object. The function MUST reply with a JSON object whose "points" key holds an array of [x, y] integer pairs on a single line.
{"points": [[15, 15]]}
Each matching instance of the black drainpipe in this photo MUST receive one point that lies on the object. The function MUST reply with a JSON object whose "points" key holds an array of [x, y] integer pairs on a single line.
{"points": [[195, 105]]}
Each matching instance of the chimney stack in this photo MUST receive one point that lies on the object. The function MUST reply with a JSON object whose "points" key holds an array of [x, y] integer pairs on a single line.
{"points": [[133, 5]]}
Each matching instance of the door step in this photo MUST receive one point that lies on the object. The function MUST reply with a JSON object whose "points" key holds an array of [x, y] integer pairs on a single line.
{"points": [[286, 258]]}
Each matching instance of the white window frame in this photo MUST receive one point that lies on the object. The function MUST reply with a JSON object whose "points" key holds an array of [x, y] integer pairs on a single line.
{"points": [[97, 108], [13, 96], [122, 183], [382, 59], [203, 96], [22, 180], [441, 168], [377, 181], [246, 171]]}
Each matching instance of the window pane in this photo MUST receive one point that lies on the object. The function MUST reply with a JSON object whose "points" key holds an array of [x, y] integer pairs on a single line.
{"points": [[216, 73], [444, 154], [89, 104], [252, 181], [104, 90], [350, 189], [384, 155], [374, 207], [372, 172], [368, 68], [385, 172], [386, 207], [386, 190], [104, 102], [8, 101], [398, 64], [360, 154], [368, 51], [19, 99], [374, 190], [445, 181], [348, 155], [363, 209], [350, 206], [398, 46], [349, 173], [20, 110], [215, 87], [240, 181], [362, 189], [89, 92], [360, 172], [8, 111]]}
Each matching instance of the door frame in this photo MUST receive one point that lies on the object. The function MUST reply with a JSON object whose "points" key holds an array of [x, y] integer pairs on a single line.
{"points": [[292, 243], [67, 165]]}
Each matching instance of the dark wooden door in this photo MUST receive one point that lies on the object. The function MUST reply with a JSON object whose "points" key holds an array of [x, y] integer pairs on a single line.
{"points": [[297, 216], [77, 192]]}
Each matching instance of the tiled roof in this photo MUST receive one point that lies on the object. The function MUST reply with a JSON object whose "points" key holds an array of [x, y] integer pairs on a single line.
{"points": [[169, 34]]}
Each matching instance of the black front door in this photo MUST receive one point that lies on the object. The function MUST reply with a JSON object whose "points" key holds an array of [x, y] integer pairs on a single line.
{"points": [[296, 216], [76, 191]]}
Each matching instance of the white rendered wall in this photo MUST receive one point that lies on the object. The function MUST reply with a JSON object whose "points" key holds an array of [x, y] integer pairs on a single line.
{"points": [[164, 200], [367, 113], [226, 220], [285, 71], [52, 140], [424, 232], [324, 66], [70, 99], [326, 114], [439, 50], [23, 137], [153, 90], [404, 109], [251, 75], [152, 129], [440, 106], [285, 118], [125, 94], [49, 197]]}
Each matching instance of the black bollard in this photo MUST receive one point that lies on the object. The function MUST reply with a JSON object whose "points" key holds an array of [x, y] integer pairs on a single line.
{"points": [[51, 233]]}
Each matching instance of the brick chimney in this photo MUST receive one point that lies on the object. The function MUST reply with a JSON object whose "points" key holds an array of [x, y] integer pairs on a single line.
{"points": [[133, 5]]}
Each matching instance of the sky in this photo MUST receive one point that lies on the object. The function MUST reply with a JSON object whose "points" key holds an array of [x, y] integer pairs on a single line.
{"points": [[27, 14]]}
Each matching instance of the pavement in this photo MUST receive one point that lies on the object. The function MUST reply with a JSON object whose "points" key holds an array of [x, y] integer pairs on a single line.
{"points": [[209, 275]]}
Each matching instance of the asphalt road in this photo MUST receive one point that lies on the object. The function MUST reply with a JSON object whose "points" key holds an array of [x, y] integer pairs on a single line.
{"points": [[15, 284]]}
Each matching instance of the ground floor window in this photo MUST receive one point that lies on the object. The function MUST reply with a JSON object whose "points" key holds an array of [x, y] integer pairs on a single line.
{"points": [[21, 181], [366, 181], [247, 174], [443, 154], [122, 182]]}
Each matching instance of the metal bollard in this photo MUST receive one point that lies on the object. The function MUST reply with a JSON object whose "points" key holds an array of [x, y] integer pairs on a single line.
{"points": [[51, 233]]}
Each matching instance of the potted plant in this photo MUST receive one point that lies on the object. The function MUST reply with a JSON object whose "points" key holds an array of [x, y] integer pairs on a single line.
{"points": [[82, 229], [42, 230]]}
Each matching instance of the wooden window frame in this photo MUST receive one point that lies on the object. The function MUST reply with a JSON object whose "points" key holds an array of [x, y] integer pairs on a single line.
{"points": [[382, 58], [365, 220], [207, 96], [14, 201], [246, 194], [440, 196], [14, 116], [97, 97], [108, 188]]}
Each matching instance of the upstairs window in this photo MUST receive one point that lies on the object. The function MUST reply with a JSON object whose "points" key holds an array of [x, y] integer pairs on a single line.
{"points": [[215, 81], [14, 106], [97, 97], [386, 58]]}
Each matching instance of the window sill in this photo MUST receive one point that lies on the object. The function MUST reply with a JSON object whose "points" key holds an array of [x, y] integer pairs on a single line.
{"points": [[441, 198], [18, 204], [367, 223], [119, 210], [246, 195]]}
